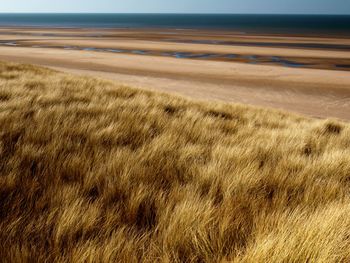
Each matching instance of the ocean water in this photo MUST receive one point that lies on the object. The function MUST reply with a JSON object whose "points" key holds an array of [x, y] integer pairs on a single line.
{"points": [[283, 24]]}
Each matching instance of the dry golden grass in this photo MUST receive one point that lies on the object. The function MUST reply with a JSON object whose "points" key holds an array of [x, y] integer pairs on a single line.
{"points": [[95, 172]]}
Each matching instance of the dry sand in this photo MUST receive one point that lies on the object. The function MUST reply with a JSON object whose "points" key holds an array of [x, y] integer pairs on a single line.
{"points": [[315, 92]]}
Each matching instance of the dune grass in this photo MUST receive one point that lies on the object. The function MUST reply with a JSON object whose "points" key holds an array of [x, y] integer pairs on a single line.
{"points": [[91, 171]]}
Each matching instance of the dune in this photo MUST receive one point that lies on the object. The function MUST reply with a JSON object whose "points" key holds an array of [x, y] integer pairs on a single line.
{"points": [[95, 171]]}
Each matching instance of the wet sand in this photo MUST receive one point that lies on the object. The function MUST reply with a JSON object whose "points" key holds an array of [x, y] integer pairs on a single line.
{"points": [[320, 53], [318, 89]]}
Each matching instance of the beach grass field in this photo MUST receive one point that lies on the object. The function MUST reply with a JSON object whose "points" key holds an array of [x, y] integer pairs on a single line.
{"points": [[95, 171]]}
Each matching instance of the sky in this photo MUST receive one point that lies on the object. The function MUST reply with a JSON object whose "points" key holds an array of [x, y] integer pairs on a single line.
{"points": [[179, 6]]}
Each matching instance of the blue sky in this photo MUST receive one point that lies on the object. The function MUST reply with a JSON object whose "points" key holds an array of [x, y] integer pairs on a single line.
{"points": [[179, 6]]}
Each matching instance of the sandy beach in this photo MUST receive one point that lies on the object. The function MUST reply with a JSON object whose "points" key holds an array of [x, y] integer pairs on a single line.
{"points": [[308, 75]]}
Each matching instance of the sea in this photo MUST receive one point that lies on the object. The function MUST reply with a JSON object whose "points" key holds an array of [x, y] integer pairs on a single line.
{"points": [[279, 24]]}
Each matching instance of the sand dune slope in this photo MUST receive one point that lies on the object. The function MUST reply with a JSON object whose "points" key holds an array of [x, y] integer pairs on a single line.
{"points": [[92, 171]]}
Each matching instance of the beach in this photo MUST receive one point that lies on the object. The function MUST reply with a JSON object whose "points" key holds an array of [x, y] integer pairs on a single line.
{"points": [[304, 74]]}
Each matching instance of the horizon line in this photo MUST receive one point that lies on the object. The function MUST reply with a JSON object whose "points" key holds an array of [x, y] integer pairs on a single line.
{"points": [[175, 13]]}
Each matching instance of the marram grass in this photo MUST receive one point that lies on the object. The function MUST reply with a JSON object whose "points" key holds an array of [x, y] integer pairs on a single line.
{"points": [[91, 171]]}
